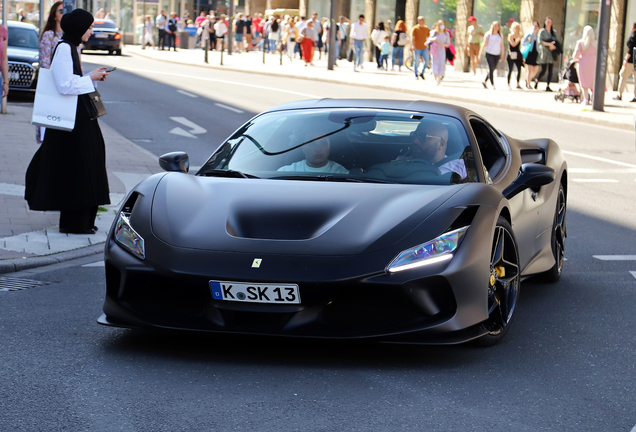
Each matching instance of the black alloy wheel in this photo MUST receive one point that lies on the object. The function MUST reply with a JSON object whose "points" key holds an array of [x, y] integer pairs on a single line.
{"points": [[503, 284], [559, 234]]}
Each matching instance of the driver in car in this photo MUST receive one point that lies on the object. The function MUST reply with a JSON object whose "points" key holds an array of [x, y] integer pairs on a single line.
{"points": [[430, 139], [316, 160]]}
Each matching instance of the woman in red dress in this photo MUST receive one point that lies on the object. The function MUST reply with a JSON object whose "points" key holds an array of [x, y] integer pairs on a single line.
{"points": [[307, 45]]}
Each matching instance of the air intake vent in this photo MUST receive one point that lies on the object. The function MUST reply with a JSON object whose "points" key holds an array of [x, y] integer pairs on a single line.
{"points": [[16, 284]]}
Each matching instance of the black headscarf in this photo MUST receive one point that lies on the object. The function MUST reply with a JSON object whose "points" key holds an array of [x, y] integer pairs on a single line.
{"points": [[75, 24]]}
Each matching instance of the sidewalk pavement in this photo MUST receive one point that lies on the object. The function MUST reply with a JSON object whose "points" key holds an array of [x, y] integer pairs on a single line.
{"points": [[30, 239], [457, 87]]}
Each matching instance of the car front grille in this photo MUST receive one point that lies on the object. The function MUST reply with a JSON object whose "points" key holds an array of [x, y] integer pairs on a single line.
{"points": [[21, 74]]}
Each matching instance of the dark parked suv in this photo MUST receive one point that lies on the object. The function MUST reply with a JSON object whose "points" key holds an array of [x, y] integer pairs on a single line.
{"points": [[23, 56], [106, 37]]}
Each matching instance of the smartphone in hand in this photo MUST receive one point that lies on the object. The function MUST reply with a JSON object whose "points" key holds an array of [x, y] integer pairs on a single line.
{"points": [[109, 70]]}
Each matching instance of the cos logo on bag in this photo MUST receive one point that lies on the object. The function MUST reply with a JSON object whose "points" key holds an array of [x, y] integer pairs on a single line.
{"points": [[53, 118]]}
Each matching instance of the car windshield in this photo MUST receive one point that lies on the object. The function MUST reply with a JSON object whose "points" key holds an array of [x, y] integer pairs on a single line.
{"points": [[104, 25], [23, 37], [363, 145]]}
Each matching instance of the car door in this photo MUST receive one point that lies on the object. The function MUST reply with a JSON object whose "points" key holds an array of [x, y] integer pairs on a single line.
{"points": [[525, 207]]}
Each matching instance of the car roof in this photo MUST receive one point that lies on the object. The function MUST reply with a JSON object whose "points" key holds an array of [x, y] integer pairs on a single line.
{"points": [[419, 106], [105, 21], [21, 24]]}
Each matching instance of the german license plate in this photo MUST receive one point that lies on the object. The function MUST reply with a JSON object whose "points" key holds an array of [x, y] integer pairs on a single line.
{"points": [[255, 292], [101, 35]]}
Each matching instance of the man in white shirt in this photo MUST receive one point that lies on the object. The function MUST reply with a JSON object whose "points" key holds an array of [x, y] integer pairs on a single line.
{"points": [[161, 27], [430, 141], [316, 160], [359, 34]]}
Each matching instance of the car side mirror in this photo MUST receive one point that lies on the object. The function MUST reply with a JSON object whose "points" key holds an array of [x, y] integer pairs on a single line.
{"points": [[531, 175], [175, 162]]}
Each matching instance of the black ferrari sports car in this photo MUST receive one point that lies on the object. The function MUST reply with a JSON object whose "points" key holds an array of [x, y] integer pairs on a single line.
{"points": [[388, 220]]}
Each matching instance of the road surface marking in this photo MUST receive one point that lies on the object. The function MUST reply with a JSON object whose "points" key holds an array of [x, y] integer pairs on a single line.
{"points": [[595, 180], [229, 108], [615, 257], [633, 274], [600, 159], [195, 129], [11, 189], [155, 72], [583, 170], [95, 264], [183, 92]]}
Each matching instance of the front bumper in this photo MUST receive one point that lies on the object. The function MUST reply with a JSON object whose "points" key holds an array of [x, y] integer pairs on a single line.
{"points": [[341, 298]]}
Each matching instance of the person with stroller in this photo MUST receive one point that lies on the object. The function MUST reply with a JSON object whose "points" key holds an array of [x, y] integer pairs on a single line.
{"points": [[585, 53]]}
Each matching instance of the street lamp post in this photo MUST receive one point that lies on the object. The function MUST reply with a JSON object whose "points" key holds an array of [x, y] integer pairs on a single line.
{"points": [[333, 28], [3, 103], [601, 55]]}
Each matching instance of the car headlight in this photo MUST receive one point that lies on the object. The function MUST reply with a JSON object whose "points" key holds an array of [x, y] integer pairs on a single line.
{"points": [[35, 64], [434, 251], [128, 238]]}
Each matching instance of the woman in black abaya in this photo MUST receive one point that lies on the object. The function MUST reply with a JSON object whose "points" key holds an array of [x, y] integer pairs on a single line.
{"points": [[68, 172]]}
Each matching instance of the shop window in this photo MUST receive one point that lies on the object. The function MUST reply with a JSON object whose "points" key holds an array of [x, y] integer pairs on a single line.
{"points": [[578, 14]]}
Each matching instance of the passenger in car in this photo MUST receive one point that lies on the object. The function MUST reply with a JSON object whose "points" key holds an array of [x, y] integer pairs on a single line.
{"points": [[431, 140], [316, 160]]}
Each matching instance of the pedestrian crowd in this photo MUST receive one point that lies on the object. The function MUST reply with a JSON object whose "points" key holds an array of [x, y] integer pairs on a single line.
{"points": [[537, 50]]}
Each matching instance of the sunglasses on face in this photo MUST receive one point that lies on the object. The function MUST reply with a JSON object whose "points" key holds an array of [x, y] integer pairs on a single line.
{"points": [[61, 11]]}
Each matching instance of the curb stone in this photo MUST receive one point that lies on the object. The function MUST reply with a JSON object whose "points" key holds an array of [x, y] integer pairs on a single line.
{"points": [[17, 264]]}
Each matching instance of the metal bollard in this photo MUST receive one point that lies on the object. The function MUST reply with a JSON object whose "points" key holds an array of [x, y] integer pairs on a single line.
{"points": [[281, 54], [207, 42], [265, 45], [222, 49]]}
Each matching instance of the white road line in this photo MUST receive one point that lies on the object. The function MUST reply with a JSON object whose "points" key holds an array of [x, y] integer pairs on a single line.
{"points": [[595, 180], [633, 274], [615, 257], [95, 264], [229, 108], [183, 92], [11, 189], [583, 170], [600, 159], [155, 72]]}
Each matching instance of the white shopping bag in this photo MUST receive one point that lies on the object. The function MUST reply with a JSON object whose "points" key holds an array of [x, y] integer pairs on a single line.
{"points": [[50, 108]]}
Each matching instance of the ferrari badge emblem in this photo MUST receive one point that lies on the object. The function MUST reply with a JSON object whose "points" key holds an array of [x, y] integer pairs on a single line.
{"points": [[257, 263]]}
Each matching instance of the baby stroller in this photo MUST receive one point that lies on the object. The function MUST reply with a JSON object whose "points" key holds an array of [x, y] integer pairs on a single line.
{"points": [[571, 91]]}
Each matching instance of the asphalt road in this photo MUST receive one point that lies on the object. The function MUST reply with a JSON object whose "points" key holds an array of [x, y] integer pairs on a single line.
{"points": [[566, 364]]}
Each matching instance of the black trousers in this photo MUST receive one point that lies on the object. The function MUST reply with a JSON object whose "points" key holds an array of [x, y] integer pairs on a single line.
{"points": [[492, 60], [545, 67], [511, 64], [162, 39], [172, 37], [377, 56], [78, 221]]}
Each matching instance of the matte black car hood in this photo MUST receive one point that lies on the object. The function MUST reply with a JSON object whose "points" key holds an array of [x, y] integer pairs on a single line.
{"points": [[289, 217]]}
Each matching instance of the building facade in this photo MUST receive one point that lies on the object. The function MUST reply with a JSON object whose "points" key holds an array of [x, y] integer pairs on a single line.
{"points": [[568, 16]]}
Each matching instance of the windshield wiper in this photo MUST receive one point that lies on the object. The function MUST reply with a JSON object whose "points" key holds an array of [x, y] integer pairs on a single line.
{"points": [[326, 177], [227, 173]]}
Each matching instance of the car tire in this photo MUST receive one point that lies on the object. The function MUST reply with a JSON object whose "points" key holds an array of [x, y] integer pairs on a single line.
{"points": [[557, 241], [118, 52], [503, 284]]}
